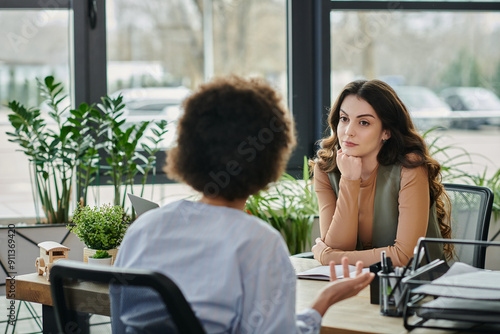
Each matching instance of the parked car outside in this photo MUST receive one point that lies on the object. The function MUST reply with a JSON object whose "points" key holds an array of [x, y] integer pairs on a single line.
{"points": [[154, 104], [426, 108], [472, 106]]}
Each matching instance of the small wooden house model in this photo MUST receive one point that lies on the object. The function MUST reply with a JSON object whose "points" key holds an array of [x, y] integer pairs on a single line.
{"points": [[50, 252]]}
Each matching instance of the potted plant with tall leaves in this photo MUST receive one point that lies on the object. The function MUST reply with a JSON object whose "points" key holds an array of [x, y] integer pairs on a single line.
{"points": [[56, 150], [64, 152], [455, 161], [289, 206], [120, 144]]}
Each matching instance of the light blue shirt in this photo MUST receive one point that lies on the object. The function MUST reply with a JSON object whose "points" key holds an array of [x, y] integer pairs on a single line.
{"points": [[233, 269]]}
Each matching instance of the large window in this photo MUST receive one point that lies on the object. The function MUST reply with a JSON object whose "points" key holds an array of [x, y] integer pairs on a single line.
{"points": [[434, 49], [38, 39], [153, 52], [443, 64], [171, 43], [440, 56], [35, 44], [158, 51]]}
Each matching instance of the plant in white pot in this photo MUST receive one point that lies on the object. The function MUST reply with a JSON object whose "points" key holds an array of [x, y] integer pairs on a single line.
{"points": [[100, 228], [100, 257]]}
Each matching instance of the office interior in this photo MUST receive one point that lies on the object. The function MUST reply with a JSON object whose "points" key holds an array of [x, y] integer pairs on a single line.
{"points": [[308, 50]]}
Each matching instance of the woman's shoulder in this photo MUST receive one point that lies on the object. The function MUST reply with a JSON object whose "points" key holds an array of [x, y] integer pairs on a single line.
{"points": [[323, 166], [317, 166], [409, 174], [415, 166]]}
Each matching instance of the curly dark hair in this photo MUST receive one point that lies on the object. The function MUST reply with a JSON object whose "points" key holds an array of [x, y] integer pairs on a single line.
{"points": [[405, 146], [234, 138]]}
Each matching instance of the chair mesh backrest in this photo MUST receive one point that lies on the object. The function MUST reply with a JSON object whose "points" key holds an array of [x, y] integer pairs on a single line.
{"points": [[470, 213], [155, 301], [145, 309]]}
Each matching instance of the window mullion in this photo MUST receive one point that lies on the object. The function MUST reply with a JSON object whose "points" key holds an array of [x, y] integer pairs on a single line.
{"points": [[89, 52]]}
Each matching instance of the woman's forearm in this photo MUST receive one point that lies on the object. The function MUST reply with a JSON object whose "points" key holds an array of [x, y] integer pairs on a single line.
{"points": [[343, 230]]}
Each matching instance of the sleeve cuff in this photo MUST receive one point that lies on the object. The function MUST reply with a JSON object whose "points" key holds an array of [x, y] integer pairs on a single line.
{"points": [[309, 321], [322, 254]]}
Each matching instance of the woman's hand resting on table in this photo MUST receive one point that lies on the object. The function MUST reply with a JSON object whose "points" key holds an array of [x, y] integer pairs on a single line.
{"points": [[341, 289], [318, 249]]}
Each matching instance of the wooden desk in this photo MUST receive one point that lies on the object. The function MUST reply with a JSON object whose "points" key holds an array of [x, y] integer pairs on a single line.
{"points": [[354, 315], [87, 298]]}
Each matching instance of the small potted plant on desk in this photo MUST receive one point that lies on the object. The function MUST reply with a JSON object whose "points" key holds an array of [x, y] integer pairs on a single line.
{"points": [[100, 228], [100, 257]]}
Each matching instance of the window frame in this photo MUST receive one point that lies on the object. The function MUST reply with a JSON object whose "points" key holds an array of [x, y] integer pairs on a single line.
{"points": [[35, 4], [89, 54]]}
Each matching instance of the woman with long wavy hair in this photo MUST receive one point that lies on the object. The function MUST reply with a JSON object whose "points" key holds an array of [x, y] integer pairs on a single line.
{"points": [[378, 187]]}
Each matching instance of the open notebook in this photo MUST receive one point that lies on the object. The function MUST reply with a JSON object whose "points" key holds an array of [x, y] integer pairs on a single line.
{"points": [[323, 272]]}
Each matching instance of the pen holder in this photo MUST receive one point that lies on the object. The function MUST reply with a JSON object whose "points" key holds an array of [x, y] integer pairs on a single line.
{"points": [[391, 294]]}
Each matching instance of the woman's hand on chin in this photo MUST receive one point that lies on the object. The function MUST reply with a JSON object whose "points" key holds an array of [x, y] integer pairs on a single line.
{"points": [[349, 166]]}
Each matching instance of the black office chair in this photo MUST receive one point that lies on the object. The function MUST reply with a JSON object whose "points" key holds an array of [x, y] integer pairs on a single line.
{"points": [[470, 220], [65, 271], [470, 213]]}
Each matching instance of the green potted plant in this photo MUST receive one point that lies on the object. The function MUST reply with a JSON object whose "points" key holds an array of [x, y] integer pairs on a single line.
{"points": [[289, 206], [64, 153], [454, 161], [121, 145], [100, 228], [101, 257], [56, 151]]}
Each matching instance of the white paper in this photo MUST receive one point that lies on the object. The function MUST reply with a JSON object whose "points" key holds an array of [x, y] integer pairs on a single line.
{"points": [[476, 284]]}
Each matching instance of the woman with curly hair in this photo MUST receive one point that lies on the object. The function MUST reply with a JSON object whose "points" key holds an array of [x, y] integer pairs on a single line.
{"points": [[234, 138], [378, 188]]}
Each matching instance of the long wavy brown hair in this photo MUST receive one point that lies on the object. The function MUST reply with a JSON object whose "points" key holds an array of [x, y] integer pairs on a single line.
{"points": [[405, 147]]}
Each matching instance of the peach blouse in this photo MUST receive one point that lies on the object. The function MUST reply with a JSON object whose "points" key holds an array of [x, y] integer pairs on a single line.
{"points": [[350, 216]]}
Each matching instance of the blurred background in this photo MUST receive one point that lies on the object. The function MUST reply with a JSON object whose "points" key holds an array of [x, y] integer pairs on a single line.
{"points": [[445, 65]]}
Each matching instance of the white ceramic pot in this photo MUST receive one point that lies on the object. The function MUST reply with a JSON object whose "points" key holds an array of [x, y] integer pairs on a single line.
{"points": [[104, 262], [88, 252]]}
